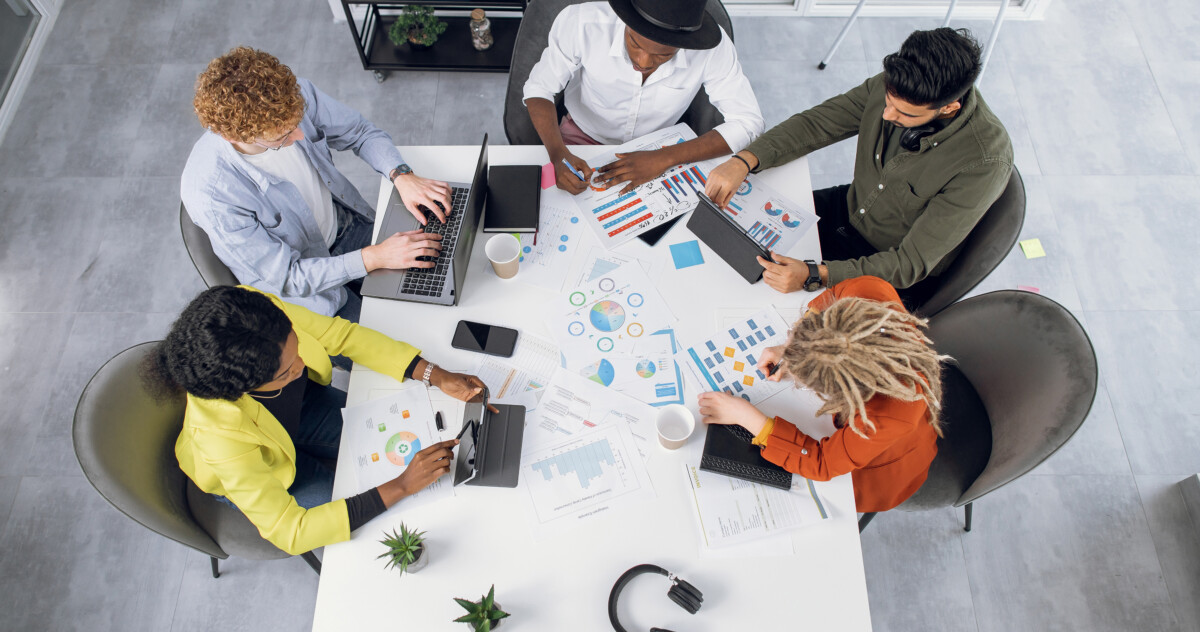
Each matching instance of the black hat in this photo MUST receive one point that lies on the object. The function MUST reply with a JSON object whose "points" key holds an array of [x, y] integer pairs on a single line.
{"points": [[678, 23]]}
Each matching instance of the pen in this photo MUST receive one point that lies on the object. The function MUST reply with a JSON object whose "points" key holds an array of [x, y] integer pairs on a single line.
{"points": [[578, 173], [437, 419], [774, 368]]}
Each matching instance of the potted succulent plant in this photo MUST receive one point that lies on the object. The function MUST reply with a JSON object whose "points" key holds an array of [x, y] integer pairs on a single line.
{"points": [[406, 550], [484, 615], [416, 25]]}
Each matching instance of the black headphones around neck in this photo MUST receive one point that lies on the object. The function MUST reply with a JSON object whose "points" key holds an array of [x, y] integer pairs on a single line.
{"points": [[910, 138], [682, 593]]}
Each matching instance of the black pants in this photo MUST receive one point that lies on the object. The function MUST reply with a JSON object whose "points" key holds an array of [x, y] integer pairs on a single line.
{"points": [[841, 241]]}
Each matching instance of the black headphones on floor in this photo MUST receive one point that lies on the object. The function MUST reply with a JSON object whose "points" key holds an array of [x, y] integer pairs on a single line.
{"points": [[682, 593]]}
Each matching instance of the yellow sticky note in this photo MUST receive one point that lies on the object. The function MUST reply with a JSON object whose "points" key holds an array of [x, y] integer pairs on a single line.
{"points": [[739, 366], [1032, 248], [374, 457], [729, 352], [748, 381]]}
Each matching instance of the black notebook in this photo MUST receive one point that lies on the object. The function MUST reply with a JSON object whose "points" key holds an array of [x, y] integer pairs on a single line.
{"points": [[514, 199], [728, 450]]}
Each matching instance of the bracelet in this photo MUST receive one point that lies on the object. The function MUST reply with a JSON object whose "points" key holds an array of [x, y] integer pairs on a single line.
{"points": [[429, 367], [748, 167]]}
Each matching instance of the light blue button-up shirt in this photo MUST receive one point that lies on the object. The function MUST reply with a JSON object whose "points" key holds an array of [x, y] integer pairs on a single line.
{"points": [[260, 225]]}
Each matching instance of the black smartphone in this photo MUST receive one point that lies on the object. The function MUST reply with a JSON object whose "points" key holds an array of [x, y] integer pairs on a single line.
{"points": [[489, 339]]}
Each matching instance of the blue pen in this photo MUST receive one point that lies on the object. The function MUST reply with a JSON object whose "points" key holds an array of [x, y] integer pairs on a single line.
{"points": [[578, 173]]}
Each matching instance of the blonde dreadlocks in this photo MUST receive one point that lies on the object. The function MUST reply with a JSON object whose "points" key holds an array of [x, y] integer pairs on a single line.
{"points": [[857, 349]]}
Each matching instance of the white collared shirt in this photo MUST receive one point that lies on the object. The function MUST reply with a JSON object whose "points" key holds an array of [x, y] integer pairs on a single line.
{"points": [[586, 56]]}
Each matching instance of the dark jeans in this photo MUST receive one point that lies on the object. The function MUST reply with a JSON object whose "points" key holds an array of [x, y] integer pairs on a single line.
{"points": [[354, 233], [841, 241], [316, 440]]}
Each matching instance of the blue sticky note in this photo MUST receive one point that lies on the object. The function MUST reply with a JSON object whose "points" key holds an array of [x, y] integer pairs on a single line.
{"points": [[686, 254]]}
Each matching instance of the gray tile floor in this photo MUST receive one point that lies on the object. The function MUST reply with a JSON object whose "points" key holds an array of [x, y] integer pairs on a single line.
{"points": [[1099, 98]]}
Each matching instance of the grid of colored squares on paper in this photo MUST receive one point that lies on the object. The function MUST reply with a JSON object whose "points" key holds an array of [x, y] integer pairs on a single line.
{"points": [[679, 184], [625, 212], [743, 372]]}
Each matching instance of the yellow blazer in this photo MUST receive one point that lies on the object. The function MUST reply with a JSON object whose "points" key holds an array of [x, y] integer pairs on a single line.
{"points": [[239, 450]]}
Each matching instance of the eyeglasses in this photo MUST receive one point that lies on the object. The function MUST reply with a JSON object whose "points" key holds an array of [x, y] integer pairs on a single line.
{"points": [[278, 143]]}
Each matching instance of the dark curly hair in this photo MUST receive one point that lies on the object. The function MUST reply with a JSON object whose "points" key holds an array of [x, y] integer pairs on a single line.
{"points": [[226, 342], [933, 68]]}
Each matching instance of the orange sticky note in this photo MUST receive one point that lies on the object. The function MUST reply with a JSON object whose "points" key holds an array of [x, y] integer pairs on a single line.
{"points": [[748, 381], [739, 366], [404, 414], [374, 457], [729, 352]]}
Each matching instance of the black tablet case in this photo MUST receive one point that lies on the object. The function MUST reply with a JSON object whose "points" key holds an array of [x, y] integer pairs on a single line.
{"points": [[728, 240], [728, 452], [514, 199]]}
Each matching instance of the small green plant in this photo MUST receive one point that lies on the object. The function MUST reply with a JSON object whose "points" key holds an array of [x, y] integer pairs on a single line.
{"points": [[416, 24], [404, 548], [483, 614]]}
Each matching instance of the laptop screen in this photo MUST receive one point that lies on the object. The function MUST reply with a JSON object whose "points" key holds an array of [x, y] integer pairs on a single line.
{"points": [[470, 222]]}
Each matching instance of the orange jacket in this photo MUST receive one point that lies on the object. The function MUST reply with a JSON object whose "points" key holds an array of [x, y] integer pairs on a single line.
{"points": [[888, 466]]}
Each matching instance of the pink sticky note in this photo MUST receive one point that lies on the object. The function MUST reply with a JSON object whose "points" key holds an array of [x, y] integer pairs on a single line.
{"points": [[1029, 288], [547, 176]]}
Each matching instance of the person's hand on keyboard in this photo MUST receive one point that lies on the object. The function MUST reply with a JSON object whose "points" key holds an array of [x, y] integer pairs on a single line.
{"points": [[419, 192], [722, 408], [409, 249]]}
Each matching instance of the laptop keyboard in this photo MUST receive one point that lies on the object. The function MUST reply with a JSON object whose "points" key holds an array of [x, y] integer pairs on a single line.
{"points": [[430, 281]]}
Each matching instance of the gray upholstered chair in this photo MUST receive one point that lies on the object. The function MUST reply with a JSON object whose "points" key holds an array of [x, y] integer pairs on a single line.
{"points": [[985, 247], [533, 37], [125, 442], [1022, 382], [211, 269]]}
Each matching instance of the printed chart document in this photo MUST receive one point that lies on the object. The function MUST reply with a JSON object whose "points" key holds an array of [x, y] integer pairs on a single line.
{"points": [[600, 262], [385, 435], [616, 218], [770, 219], [583, 477], [732, 511], [573, 404], [727, 361], [650, 374], [529, 369], [546, 256]]}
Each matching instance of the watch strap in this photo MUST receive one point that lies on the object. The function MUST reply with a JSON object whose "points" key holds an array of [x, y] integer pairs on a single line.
{"points": [[813, 282], [399, 170], [429, 367]]}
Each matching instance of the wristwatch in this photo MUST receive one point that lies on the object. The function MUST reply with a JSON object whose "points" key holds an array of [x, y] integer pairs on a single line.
{"points": [[429, 367], [813, 282], [400, 170]]}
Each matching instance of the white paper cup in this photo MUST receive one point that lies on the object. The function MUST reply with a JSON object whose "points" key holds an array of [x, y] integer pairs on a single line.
{"points": [[675, 423], [504, 251]]}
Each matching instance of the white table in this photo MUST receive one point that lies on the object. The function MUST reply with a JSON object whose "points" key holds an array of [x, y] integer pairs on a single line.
{"points": [[561, 582]]}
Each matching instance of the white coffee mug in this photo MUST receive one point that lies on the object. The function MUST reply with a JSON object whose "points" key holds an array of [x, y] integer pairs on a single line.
{"points": [[675, 423], [504, 251]]}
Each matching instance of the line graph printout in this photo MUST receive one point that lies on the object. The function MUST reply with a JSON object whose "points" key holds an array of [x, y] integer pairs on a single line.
{"points": [[592, 474], [573, 404], [616, 217], [769, 218], [727, 361], [385, 434], [530, 368]]}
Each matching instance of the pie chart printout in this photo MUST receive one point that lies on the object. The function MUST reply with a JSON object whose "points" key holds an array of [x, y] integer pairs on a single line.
{"points": [[402, 447], [607, 315]]}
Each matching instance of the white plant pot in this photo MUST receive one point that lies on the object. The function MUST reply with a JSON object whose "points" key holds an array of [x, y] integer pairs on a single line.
{"points": [[421, 562]]}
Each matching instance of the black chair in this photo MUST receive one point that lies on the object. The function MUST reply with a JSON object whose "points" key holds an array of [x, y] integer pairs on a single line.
{"points": [[1022, 382], [125, 442], [984, 249], [532, 38], [199, 248]]}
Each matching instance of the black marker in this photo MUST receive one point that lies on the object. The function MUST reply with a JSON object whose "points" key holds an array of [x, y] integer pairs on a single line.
{"points": [[437, 419]]}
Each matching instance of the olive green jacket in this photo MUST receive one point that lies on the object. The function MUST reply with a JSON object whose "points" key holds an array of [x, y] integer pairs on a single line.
{"points": [[918, 209]]}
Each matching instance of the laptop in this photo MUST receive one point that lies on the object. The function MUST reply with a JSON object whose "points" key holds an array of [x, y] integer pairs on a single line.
{"points": [[714, 227], [489, 449], [443, 283], [728, 450]]}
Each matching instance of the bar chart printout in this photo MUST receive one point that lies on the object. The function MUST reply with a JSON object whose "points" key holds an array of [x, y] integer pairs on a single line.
{"points": [[592, 474]]}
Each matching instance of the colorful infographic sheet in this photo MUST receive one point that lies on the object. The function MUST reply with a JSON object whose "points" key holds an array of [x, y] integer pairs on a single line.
{"points": [[385, 434], [769, 218], [606, 318], [584, 477], [573, 404], [547, 255], [616, 218], [649, 375], [727, 360]]}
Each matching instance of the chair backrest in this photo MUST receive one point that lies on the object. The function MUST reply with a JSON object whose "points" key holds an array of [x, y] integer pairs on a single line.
{"points": [[211, 268], [125, 442], [532, 38], [1033, 368], [985, 247]]}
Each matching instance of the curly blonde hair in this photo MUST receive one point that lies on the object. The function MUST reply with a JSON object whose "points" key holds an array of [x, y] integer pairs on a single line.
{"points": [[859, 348], [247, 94]]}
